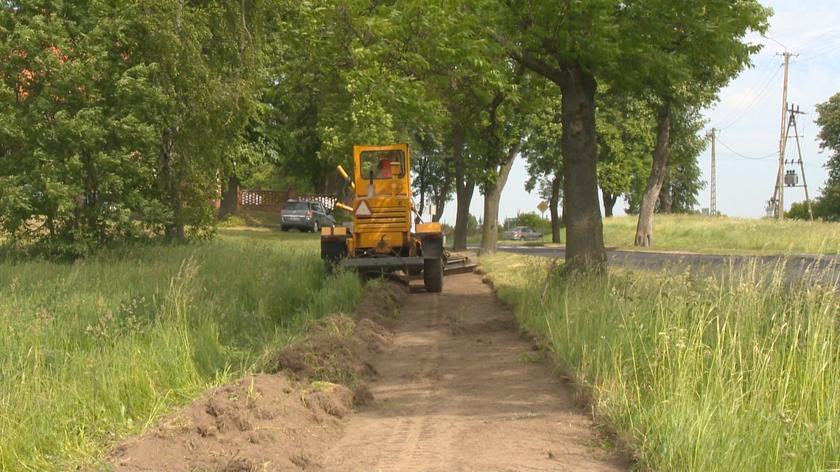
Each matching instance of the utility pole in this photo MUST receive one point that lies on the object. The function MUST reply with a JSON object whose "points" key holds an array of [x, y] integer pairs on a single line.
{"points": [[792, 124], [780, 178], [713, 184]]}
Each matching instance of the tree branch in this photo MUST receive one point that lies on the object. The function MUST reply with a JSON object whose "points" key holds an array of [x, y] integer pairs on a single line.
{"points": [[542, 68]]}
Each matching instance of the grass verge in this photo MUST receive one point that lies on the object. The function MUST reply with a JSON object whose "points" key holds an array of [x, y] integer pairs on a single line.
{"points": [[99, 349], [694, 375], [705, 234], [716, 235]]}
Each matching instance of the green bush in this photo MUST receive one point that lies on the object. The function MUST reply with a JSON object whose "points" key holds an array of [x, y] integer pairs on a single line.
{"points": [[531, 219]]}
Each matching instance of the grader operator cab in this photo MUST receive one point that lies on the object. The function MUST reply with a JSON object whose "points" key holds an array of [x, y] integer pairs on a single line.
{"points": [[381, 239]]}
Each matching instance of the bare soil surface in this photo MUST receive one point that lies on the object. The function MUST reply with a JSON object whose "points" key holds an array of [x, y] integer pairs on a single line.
{"points": [[275, 422], [261, 423], [452, 386], [460, 389]]}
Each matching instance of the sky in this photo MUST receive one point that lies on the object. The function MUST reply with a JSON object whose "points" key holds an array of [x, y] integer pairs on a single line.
{"points": [[748, 116]]}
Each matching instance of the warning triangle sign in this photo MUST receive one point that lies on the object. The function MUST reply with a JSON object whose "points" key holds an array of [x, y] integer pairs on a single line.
{"points": [[363, 209]]}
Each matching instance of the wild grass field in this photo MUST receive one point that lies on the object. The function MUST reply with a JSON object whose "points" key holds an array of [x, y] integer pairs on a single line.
{"points": [[100, 348], [720, 235], [740, 372], [697, 233]]}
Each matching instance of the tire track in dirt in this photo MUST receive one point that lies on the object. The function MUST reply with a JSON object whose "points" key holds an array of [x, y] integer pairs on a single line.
{"points": [[457, 392]]}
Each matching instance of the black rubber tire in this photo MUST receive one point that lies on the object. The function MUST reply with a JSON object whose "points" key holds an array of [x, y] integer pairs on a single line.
{"points": [[285, 229], [433, 275]]}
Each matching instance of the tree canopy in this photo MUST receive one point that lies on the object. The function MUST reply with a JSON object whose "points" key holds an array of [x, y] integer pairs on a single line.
{"points": [[827, 205], [122, 119]]}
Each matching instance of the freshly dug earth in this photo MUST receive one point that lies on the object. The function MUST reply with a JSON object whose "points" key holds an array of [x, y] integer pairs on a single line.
{"points": [[460, 389], [270, 422], [453, 387], [264, 422]]}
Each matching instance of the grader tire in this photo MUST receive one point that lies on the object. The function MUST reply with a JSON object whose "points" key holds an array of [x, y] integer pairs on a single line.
{"points": [[433, 275]]}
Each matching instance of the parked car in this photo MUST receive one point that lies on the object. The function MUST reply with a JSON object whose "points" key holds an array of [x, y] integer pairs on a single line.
{"points": [[522, 233], [305, 216]]}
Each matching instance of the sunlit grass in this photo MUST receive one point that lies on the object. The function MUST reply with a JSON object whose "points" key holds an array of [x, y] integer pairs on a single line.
{"points": [[723, 235], [726, 235], [738, 373], [98, 349]]}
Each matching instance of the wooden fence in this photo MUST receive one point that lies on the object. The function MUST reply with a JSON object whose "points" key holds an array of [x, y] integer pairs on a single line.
{"points": [[263, 200], [274, 200]]}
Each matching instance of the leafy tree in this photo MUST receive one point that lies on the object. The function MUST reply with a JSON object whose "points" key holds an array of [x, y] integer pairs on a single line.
{"points": [[571, 44], [349, 72], [118, 116], [625, 141], [542, 152], [432, 181], [696, 49], [70, 173], [828, 204], [683, 180]]}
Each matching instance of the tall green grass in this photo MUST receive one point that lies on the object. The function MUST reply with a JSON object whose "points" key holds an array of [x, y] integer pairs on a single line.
{"points": [[98, 349], [721, 234], [739, 372]]}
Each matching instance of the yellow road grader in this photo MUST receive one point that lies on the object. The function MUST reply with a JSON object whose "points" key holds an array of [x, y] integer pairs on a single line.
{"points": [[385, 238]]}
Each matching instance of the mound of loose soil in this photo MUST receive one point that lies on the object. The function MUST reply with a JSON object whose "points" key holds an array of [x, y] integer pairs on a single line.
{"points": [[263, 422], [275, 421]]}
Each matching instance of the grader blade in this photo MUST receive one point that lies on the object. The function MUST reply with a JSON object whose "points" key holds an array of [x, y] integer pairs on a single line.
{"points": [[459, 265]]}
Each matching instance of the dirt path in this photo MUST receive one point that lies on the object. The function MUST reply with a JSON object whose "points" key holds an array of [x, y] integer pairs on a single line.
{"points": [[457, 392]]}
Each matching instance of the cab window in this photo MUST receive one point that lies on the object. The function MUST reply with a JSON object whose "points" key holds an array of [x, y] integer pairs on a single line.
{"points": [[382, 164]]}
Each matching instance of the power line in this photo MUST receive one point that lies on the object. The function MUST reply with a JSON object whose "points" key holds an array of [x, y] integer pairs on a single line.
{"points": [[749, 158], [809, 58], [831, 33], [753, 102]]}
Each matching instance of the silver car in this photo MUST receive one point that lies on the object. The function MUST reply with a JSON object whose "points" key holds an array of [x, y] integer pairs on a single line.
{"points": [[522, 233], [305, 216]]}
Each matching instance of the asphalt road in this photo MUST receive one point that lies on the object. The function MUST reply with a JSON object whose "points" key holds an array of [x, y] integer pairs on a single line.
{"points": [[798, 268]]}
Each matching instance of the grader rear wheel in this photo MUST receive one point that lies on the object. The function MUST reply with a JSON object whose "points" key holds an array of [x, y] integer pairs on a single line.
{"points": [[433, 275]]}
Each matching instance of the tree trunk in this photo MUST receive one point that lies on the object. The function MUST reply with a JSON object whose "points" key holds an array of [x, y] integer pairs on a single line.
{"points": [[584, 228], [438, 198], [644, 230], [553, 204], [464, 193], [174, 228], [464, 188], [492, 197], [609, 203], [91, 200], [230, 198], [666, 199], [440, 204]]}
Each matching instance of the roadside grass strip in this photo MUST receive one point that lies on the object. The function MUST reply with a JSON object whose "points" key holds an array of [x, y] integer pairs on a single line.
{"points": [[724, 235], [99, 349], [740, 372]]}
